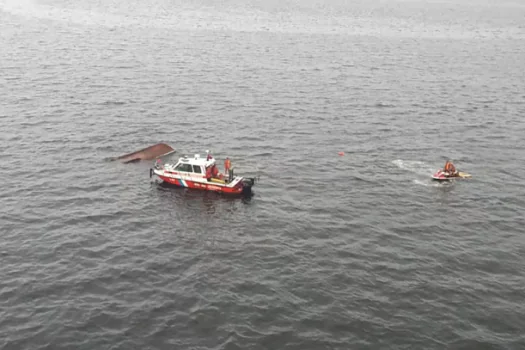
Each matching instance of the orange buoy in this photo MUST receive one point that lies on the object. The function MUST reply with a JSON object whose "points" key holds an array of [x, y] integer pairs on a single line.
{"points": [[341, 153]]}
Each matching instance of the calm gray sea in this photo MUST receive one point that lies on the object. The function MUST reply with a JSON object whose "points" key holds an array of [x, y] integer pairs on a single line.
{"points": [[361, 251]]}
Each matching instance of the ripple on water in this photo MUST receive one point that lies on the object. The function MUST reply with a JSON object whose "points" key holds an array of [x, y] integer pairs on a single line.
{"points": [[353, 251]]}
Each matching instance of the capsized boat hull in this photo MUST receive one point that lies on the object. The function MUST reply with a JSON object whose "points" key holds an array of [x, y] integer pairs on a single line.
{"points": [[148, 153]]}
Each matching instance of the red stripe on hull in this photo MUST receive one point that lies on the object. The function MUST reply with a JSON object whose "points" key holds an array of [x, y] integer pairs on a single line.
{"points": [[203, 186]]}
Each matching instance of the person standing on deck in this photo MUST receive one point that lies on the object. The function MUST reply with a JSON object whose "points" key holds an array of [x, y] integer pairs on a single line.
{"points": [[227, 165]]}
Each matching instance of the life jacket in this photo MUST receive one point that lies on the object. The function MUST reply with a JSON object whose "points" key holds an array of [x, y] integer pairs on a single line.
{"points": [[227, 164], [449, 168]]}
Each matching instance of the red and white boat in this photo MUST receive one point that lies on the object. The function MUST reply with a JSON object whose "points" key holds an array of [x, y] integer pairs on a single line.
{"points": [[202, 173]]}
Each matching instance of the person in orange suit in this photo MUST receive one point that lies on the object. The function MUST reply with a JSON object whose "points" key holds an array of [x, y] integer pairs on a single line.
{"points": [[227, 165], [449, 168]]}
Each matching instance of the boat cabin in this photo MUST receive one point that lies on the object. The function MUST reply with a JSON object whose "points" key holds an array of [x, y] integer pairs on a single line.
{"points": [[195, 167], [196, 164]]}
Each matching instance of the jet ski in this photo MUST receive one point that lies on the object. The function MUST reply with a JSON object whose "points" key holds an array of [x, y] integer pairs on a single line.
{"points": [[440, 175]]}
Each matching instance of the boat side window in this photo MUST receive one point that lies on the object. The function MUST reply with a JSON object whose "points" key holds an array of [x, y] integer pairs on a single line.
{"points": [[184, 167], [197, 169]]}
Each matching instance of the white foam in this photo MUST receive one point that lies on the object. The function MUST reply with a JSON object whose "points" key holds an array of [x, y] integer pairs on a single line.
{"points": [[415, 166], [428, 183]]}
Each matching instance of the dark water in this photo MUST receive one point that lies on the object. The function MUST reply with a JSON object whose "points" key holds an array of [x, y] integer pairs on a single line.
{"points": [[355, 252]]}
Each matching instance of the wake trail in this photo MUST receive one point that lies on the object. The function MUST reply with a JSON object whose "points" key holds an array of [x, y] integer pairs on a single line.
{"points": [[421, 169], [430, 183], [415, 166]]}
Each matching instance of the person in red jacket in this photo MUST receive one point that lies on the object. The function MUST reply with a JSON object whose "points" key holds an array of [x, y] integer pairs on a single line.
{"points": [[214, 171]]}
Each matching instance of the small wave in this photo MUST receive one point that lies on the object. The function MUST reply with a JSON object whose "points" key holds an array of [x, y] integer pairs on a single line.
{"points": [[112, 103], [383, 105]]}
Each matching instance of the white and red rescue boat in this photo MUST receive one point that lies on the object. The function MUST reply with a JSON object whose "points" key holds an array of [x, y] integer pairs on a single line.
{"points": [[202, 173]]}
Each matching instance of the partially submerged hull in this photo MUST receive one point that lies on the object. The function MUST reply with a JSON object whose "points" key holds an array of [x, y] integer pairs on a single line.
{"points": [[148, 153]]}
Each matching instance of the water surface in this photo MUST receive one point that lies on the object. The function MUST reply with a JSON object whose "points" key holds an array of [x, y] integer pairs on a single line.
{"points": [[351, 252]]}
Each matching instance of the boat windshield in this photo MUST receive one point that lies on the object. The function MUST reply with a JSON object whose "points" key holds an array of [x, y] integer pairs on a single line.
{"points": [[184, 167]]}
